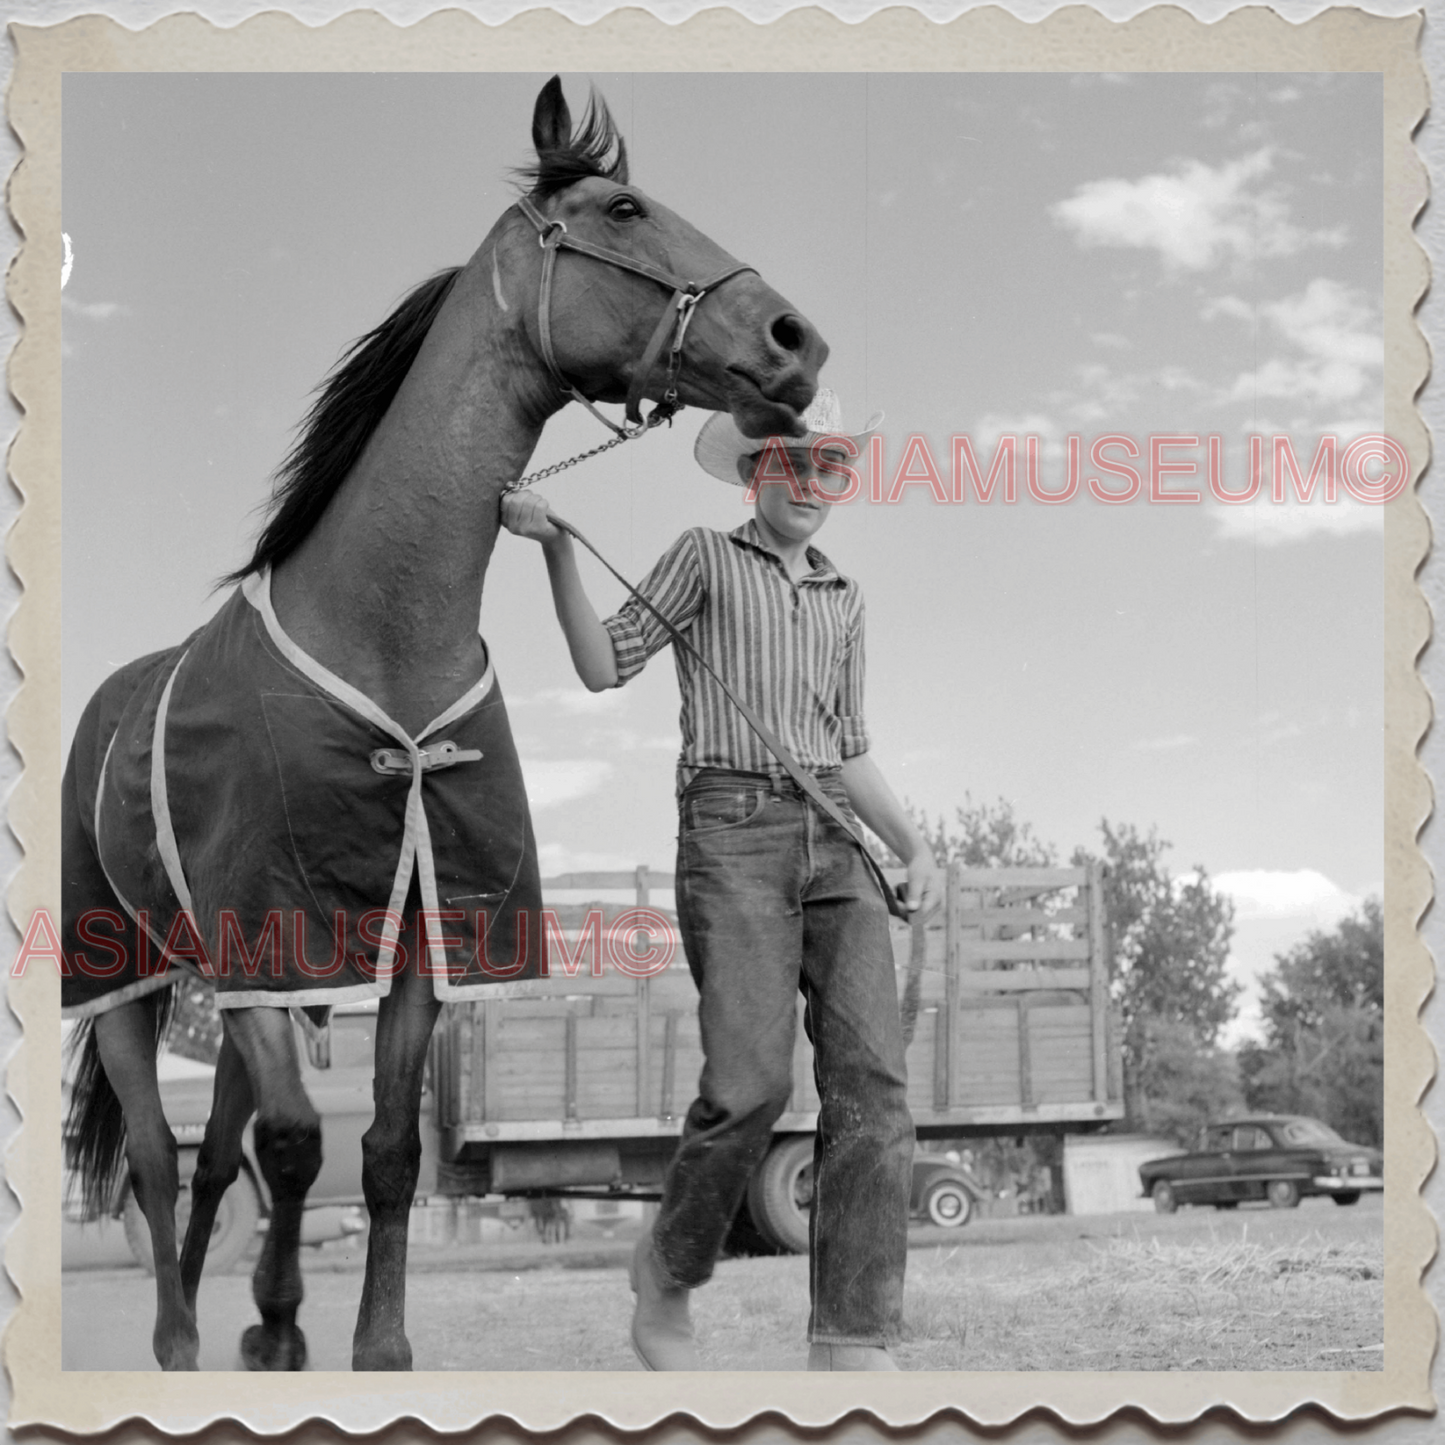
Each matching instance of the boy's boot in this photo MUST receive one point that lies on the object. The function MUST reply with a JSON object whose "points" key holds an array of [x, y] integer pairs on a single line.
{"points": [[661, 1327]]}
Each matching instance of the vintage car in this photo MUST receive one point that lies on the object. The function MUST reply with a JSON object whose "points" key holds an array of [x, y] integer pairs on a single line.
{"points": [[1279, 1158], [944, 1192]]}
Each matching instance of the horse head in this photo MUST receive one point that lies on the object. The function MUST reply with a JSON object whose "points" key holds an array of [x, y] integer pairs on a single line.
{"points": [[605, 326]]}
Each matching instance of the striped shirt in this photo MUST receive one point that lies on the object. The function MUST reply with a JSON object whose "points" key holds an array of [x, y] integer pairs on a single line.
{"points": [[792, 650]]}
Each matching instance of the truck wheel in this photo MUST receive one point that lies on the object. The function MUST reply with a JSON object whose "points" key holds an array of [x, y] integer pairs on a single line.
{"points": [[1164, 1200], [1282, 1194], [780, 1193], [745, 1240], [1351, 1196], [948, 1203], [231, 1235]]}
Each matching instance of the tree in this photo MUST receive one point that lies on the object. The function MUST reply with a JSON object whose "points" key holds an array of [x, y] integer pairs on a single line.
{"points": [[1324, 1016], [985, 836], [1182, 1084], [1170, 939]]}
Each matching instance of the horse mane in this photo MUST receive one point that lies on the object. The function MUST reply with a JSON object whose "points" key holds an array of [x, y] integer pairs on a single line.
{"points": [[595, 148], [354, 397], [349, 405]]}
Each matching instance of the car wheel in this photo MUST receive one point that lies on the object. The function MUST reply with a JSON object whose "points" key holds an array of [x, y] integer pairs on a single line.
{"points": [[1282, 1194], [780, 1193], [1164, 1198], [947, 1203], [1351, 1196], [231, 1234]]}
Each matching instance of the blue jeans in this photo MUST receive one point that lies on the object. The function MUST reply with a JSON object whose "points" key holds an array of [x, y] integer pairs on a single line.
{"points": [[773, 898]]}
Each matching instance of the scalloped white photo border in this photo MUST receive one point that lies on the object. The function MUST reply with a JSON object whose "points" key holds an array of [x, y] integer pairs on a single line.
{"points": [[988, 39]]}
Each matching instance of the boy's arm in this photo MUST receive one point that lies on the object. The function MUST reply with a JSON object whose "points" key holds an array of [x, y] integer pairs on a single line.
{"points": [[589, 642], [875, 805]]}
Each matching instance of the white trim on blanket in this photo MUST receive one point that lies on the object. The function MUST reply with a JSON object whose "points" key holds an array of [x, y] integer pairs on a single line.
{"points": [[415, 854], [107, 1001], [301, 997], [160, 802], [141, 986]]}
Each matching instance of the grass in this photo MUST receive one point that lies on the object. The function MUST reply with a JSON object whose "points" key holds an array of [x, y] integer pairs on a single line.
{"points": [[1256, 1290], [1148, 1304]]}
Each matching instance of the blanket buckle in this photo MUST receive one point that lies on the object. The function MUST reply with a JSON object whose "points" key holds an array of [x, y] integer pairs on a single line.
{"points": [[439, 755]]}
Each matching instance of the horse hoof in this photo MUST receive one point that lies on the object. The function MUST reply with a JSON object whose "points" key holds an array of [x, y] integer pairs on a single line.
{"points": [[393, 1356], [261, 1351]]}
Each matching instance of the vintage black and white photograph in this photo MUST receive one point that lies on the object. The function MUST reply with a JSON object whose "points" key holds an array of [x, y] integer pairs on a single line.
{"points": [[724, 722]]}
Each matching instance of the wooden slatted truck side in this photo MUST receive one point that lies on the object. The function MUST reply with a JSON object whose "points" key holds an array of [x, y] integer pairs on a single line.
{"points": [[580, 1084]]}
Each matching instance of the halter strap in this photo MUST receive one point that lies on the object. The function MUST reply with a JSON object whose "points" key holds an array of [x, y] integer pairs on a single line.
{"points": [[553, 236]]}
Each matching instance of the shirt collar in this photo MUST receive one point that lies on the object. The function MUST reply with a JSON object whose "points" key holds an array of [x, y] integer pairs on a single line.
{"points": [[823, 569]]}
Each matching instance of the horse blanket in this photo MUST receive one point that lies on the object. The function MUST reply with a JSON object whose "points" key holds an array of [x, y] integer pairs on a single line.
{"points": [[233, 807]]}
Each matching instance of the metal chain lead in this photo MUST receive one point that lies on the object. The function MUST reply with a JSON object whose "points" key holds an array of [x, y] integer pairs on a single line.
{"points": [[651, 421]]}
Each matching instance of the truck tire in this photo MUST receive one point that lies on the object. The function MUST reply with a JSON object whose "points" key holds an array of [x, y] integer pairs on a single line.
{"points": [[780, 1193], [1351, 1196], [745, 1240], [231, 1235]]}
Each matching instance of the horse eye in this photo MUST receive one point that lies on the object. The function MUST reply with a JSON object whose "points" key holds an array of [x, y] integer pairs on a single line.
{"points": [[624, 208]]}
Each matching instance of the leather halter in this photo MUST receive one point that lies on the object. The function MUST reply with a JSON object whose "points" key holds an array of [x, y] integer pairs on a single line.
{"points": [[553, 236]]}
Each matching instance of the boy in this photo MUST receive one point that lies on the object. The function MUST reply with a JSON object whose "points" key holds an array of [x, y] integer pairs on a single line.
{"points": [[773, 896]]}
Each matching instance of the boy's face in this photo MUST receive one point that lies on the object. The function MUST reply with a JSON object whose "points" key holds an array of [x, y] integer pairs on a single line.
{"points": [[795, 512]]}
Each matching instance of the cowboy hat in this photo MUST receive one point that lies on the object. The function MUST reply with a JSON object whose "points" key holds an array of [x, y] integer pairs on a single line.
{"points": [[720, 444]]}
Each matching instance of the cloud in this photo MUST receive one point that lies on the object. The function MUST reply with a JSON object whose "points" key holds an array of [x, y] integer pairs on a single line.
{"points": [[93, 310], [1273, 911], [551, 781], [1166, 745], [1335, 334], [574, 700], [1274, 524], [1302, 895], [1194, 217]]}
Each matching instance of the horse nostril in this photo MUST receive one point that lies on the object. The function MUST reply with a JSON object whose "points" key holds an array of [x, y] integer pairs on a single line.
{"points": [[790, 332]]}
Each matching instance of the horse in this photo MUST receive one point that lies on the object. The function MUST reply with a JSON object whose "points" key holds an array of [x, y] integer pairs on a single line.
{"points": [[351, 644]]}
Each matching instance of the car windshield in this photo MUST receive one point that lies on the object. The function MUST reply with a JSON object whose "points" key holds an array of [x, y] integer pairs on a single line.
{"points": [[1309, 1131]]}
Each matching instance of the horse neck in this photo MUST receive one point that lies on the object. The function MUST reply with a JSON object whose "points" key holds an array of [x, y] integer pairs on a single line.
{"points": [[386, 590]]}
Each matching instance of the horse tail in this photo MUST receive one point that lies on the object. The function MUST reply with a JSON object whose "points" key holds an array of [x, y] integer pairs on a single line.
{"points": [[95, 1123]]}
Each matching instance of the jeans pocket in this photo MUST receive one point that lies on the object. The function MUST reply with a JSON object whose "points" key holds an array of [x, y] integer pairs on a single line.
{"points": [[710, 810]]}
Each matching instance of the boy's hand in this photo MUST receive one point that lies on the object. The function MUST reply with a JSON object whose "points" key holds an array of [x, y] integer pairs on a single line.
{"points": [[925, 884], [527, 515]]}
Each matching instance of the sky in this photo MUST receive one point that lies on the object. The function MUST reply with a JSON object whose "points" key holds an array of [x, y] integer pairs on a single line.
{"points": [[987, 255]]}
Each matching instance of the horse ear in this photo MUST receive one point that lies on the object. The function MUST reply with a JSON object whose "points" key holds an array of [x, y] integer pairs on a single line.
{"points": [[551, 120]]}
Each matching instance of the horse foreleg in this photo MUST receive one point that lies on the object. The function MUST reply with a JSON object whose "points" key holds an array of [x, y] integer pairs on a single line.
{"points": [[390, 1163], [125, 1036], [218, 1163], [288, 1150]]}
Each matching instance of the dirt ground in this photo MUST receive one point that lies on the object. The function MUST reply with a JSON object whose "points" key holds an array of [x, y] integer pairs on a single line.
{"points": [[1251, 1289]]}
